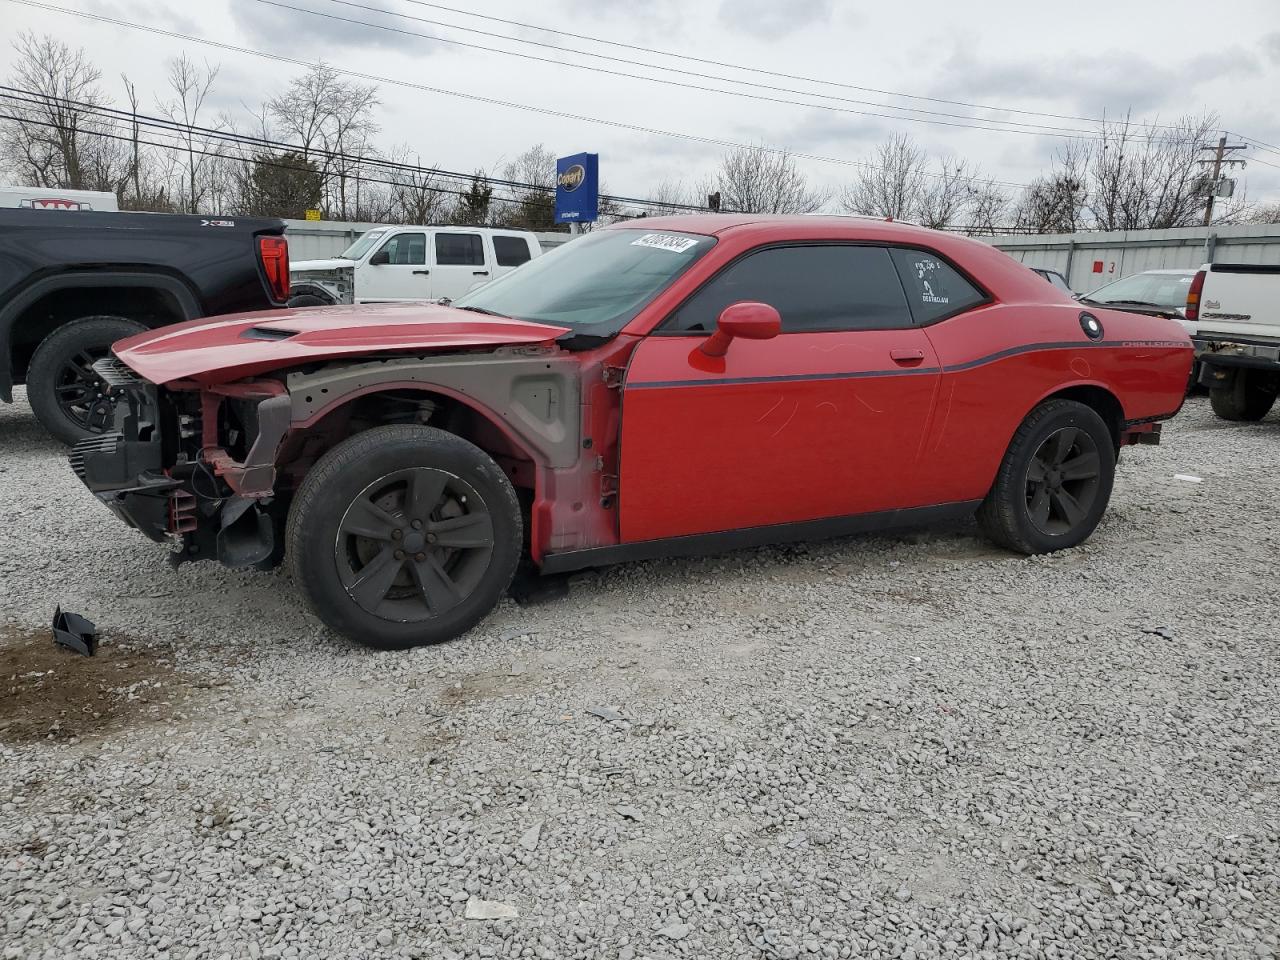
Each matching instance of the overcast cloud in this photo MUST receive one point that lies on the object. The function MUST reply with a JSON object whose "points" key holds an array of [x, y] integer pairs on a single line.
{"points": [[1083, 61]]}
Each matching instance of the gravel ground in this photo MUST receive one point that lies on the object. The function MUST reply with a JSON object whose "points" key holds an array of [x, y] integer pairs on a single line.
{"points": [[911, 746]]}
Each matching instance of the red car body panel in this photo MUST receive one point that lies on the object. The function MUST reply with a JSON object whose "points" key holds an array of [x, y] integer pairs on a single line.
{"points": [[802, 427], [217, 349]]}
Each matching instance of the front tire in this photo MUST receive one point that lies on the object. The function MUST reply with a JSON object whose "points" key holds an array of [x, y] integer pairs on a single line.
{"points": [[1054, 482], [1249, 398], [404, 535], [61, 386]]}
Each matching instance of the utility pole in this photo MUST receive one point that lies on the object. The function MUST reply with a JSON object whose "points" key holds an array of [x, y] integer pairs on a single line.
{"points": [[1221, 155]]}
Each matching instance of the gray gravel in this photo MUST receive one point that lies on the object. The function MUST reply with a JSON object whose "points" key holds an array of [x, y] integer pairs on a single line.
{"points": [[912, 746]]}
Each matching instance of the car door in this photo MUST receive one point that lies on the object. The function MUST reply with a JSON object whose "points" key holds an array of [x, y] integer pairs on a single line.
{"points": [[826, 420], [459, 264], [396, 270]]}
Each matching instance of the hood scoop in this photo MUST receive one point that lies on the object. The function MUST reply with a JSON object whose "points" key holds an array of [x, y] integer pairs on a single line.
{"points": [[267, 333]]}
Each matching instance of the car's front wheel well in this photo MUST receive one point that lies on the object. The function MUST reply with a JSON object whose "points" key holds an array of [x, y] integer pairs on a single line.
{"points": [[407, 406], [1102, 401]]}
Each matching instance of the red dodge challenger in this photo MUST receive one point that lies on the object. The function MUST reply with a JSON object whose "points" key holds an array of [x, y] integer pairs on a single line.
{"points": [[663, 387]]}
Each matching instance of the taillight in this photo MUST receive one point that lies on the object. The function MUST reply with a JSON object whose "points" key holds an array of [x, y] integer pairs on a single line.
{"points": [[1193, 295], [274, 253]]}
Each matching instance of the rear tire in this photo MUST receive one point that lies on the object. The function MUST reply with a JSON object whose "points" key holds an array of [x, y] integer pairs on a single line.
{"points": [[1249, 398], [1054, 482], [404, 535], [61, 387]]}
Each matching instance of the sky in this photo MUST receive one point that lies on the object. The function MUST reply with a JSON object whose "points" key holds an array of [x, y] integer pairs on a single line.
{"points": [[907, 61]]}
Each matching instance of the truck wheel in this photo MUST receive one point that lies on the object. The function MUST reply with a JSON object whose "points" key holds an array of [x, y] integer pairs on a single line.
{"points": [[309, 300], [1249, 398], [404, 535], [61, 385], [1054, 482]]}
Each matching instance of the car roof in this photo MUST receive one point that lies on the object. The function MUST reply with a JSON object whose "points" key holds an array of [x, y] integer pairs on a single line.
{"points": [[991, 268], [718, 224]]}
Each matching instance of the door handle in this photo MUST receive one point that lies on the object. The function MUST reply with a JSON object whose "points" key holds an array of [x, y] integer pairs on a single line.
{"points": [[421, 273], [907, 358], [479, 273]]}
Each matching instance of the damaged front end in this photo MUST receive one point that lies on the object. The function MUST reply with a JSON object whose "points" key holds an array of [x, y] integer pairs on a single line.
{"points": [[191, 462]]}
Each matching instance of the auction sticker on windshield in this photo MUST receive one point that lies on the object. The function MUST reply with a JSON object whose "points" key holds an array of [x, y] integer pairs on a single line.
{"points": [[665, 241]]}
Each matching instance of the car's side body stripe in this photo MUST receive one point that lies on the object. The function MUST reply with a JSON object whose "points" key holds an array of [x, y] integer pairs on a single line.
{"points": [[903, 371]]}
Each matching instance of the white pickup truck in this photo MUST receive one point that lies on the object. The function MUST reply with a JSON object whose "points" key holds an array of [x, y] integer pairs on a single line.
{"points": [[388, 264], [1236, 311]]}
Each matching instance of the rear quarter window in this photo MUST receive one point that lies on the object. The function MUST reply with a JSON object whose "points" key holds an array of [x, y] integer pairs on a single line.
{"points": [[935, 289], [511, 251]]}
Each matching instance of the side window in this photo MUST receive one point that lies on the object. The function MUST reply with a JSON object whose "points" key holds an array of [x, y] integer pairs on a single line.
{"points": [[459, 250], [934, 288], [407, 249], [511, 251], [812, 287]]}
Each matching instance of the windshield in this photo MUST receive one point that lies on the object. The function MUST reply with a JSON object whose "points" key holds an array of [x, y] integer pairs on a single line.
{"points": [[595, 283], [362, 245], [1158, 289]]}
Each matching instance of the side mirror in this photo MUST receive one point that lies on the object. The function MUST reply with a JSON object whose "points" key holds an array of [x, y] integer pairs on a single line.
{"points": [[746, 319], [380, 258]]}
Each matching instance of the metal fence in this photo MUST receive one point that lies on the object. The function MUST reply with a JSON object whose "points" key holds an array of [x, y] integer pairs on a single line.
{"points": [[1092, 260], [321, 239]]}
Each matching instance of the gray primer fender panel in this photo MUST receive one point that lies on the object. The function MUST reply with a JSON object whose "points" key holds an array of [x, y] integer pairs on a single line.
{"points": [[536, 391]]}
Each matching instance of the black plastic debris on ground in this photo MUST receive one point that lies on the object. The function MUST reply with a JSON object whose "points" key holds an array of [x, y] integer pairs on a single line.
{"points": [[74, 632]]}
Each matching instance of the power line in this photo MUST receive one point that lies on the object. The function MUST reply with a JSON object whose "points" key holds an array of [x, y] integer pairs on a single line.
{"points": [[771, 73], [1265, 163], [1259, 144], [1037, 129], [493, 101], [264, 162], [165, 125]]}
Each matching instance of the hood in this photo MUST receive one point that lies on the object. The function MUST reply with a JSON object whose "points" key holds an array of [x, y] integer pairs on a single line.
{"points": [[335, 263], [218, 349]]}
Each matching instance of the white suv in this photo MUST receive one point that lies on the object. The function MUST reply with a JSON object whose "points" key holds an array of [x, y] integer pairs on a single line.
{"points": [[411, 263]]}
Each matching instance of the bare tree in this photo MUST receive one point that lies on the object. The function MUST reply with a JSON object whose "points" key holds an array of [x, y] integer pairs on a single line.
{"points": [[892, 183], [1267, 213], [677, 196], [203, 179], [417, 195], [988, 208], [1148, 178], [55, 135], [1055, 202], [760, 179], [945, 197], [534, 206], [331, 122]]}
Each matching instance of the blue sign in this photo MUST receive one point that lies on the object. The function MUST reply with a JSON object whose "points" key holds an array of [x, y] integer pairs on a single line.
{"points": [[578, 188]]}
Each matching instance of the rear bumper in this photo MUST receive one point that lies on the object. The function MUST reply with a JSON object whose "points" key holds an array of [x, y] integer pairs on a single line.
{"points": [[1231, 351]]}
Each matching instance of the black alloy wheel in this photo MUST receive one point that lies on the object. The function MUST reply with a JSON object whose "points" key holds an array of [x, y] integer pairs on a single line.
{"points": [[414, 544], [404, 535], [1063, 479], [1054, 482], [68, 398], [82, 396]]}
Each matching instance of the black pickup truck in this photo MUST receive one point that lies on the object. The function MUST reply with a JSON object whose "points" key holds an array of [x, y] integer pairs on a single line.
{"points": [[73, 282]]}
